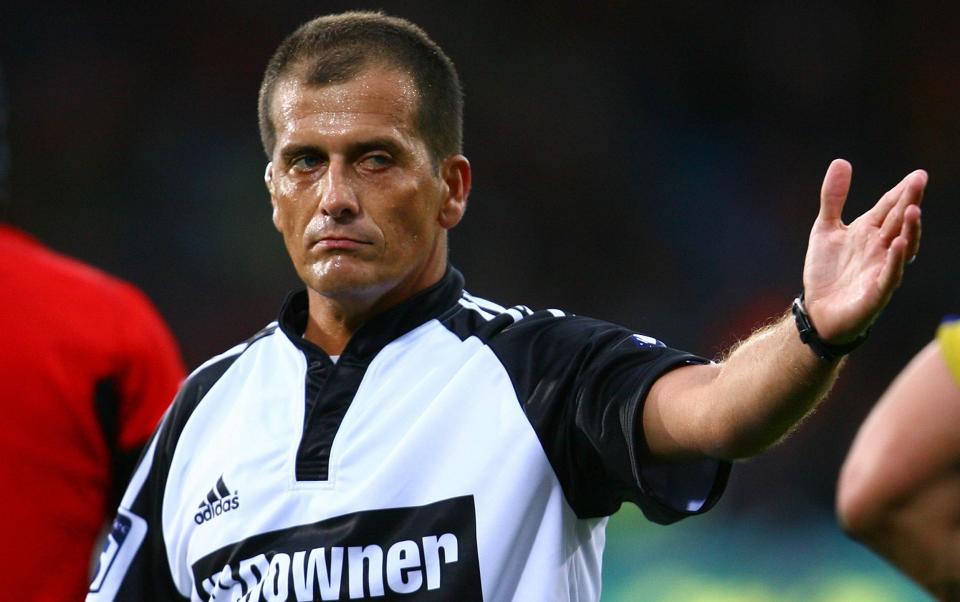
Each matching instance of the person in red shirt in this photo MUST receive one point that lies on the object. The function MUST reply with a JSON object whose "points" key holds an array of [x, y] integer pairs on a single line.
{"points": [[87, 368]]}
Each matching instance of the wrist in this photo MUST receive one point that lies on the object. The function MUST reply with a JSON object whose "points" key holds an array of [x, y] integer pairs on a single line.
{"points": [[811, 338]]}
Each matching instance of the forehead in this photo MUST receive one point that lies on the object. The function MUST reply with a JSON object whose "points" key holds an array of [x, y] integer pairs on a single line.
{"points": [[376, 99]]}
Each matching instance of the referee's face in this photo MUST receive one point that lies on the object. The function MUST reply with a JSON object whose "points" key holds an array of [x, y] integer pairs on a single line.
{"points": [[362, 209]]}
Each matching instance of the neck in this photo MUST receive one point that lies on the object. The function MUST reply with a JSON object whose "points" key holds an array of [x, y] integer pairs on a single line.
{"points": [[334, 319]]}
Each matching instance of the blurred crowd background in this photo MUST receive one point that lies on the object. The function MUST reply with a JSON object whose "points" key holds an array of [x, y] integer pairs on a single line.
{"points": [[656, 164]]}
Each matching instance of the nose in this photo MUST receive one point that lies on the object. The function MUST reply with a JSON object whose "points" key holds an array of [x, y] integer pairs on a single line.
{"points": [[338, 199]]}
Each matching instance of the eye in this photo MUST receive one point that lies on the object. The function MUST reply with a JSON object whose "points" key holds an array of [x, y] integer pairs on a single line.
{"points": [[306, 163], [376, 161]]}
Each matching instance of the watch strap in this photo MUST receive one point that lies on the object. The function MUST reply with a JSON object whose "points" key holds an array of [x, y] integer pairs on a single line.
{"points": [[810, 337]]}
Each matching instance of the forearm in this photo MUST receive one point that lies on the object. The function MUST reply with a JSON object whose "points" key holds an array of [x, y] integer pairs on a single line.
{"points": [[742, 405], [765, 386]]}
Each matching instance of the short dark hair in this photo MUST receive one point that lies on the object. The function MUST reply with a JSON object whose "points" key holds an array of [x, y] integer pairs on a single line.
{"points": [[336, 48]]}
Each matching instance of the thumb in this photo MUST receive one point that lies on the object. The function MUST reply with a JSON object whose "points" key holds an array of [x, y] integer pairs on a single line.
{"points": [[833, 193]]}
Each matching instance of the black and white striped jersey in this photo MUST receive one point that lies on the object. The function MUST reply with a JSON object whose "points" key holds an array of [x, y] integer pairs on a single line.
{"points": [[456, 450]]}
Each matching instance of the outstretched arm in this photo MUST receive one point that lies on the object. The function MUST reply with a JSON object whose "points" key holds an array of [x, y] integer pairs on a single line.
{"points": [[899, 489], [744, 404]]}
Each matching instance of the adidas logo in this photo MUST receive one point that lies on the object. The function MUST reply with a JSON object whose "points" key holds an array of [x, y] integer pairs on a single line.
{"points": [[218, 501]]}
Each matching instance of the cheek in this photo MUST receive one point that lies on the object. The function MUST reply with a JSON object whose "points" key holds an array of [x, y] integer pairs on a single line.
{"points": [[281, 216], [287, 219], [293, 207], [407, 226], [415, 212]]}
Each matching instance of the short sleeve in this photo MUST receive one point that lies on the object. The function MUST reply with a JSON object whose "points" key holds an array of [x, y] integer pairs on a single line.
{"points": [[134, 563], [948, 337], [151, 371], [582, 384]]}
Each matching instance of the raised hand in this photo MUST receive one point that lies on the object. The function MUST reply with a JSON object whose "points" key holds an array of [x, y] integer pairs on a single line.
{"points": [[851, 271]]}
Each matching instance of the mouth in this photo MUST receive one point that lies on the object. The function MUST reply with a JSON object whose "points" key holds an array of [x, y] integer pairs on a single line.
{"points": [[339, 243]]}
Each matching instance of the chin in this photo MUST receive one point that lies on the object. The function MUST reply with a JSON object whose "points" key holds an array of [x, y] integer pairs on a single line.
{"points": [[342, 280]]}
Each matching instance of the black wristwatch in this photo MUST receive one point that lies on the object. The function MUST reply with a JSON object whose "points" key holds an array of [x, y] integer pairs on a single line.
{"points": [[809, 336]]}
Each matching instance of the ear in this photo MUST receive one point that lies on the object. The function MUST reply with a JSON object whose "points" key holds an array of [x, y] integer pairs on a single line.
{"points": [[458, 177], [268, 180]]}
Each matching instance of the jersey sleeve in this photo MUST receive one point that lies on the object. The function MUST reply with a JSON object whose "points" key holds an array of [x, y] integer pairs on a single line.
{"points": [[948, 337], [133, 563], [151, 371], [582, 384], [146, 371]]}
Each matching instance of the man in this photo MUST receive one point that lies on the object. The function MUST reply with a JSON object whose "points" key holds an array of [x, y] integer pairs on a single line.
{"points": [[393, 436], [88, 368], [899, 489]]}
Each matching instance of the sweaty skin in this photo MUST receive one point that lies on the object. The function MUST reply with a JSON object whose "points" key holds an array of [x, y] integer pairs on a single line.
{"points": [[740, 406], [899, 489], [362, 208], [364, 214]]}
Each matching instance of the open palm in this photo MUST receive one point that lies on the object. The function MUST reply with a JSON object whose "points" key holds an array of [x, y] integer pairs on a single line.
{"points": [[851, 271]]}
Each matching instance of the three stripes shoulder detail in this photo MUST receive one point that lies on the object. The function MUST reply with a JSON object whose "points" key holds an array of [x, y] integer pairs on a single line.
{"points": [[490, 310]]}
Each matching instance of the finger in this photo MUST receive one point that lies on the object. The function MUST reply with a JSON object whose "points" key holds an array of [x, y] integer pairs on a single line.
{"points": [[881, 210], [833, 193], [892, 272], [919, 180], [876, 214], [911, 230], [911, 194], [892, 223]]}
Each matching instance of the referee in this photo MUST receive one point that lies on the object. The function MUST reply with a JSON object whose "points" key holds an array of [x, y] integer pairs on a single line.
{"points": [[393, 436]]}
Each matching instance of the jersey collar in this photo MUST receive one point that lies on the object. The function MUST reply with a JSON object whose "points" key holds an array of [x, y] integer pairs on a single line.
{"points": [[430, 303]]}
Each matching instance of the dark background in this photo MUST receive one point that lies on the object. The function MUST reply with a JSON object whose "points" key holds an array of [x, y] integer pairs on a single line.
{"points": [[655, 164]]}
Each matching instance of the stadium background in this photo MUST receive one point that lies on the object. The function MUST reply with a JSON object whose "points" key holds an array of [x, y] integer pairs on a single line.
{"points": [[655, 164]]}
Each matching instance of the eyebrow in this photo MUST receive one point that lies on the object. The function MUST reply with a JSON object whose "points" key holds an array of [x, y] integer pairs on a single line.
{"points": [[387, 144], [292, 151], [353, 150]]}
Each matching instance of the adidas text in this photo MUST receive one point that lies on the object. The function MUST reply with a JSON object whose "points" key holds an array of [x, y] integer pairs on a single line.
{"points": [[208, 511]]}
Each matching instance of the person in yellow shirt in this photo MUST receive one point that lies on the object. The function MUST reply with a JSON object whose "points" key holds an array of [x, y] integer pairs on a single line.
{"points": [[899, 489]]}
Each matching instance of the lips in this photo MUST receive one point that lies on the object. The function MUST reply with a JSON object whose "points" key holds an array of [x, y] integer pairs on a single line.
{"points": [[339, 242]]}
